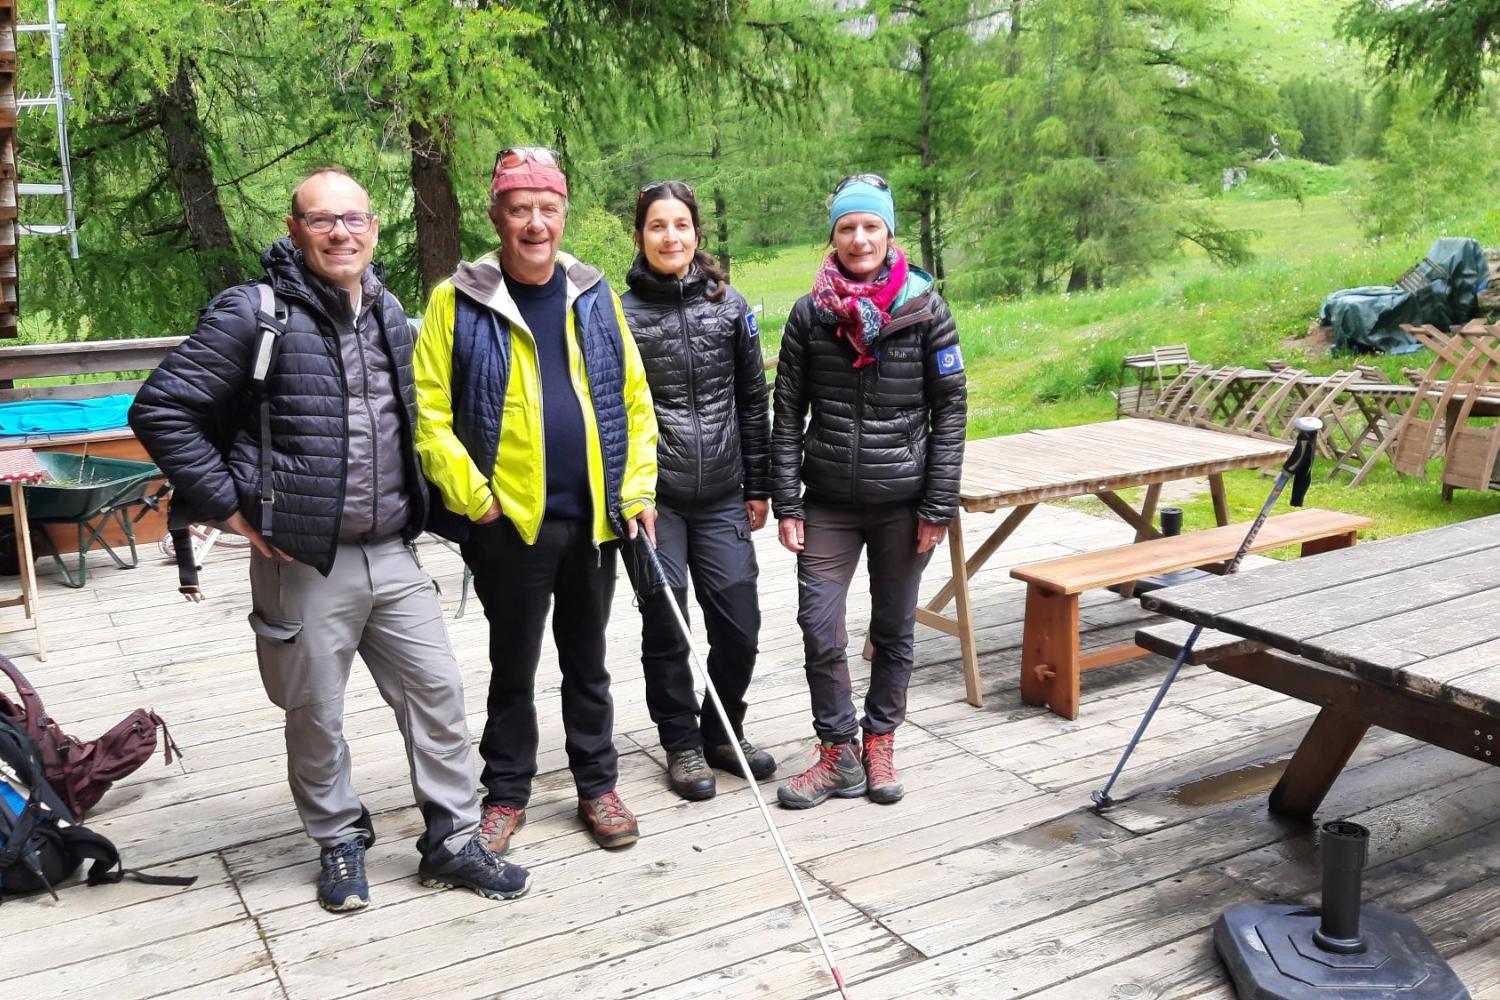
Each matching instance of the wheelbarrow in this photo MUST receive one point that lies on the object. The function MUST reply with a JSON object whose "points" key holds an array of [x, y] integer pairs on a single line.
{"points": [[89, 492]]}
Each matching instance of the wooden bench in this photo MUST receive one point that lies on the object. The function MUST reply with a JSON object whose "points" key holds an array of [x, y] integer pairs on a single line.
{"points": [[1050, 658]]}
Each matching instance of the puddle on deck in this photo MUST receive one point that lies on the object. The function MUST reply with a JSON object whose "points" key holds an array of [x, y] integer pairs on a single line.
{"points": [[1257, 779]]}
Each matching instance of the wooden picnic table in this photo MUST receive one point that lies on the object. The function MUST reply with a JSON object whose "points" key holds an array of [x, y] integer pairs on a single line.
{"points": [[1400, 634], [1019, 471]]}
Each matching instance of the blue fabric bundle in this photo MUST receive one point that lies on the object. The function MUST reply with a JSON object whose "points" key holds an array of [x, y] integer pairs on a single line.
{"points": [[64, 416]]}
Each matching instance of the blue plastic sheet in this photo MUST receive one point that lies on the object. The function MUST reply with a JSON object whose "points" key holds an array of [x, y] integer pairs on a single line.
{"points": [[64, 416]]}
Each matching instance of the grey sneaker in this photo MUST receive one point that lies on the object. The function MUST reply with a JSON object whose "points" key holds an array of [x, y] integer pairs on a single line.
{"points": [[837, 772], [342, 886], [476, 868]]}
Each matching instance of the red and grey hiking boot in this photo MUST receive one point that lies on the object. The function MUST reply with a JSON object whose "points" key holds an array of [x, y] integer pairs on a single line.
{"points": [[880, 767], [497, 824], [836, 772], [609, 822]]}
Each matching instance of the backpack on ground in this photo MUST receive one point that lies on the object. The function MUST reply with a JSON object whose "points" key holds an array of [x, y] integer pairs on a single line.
{"points": [[40, 845], [79, 772]]}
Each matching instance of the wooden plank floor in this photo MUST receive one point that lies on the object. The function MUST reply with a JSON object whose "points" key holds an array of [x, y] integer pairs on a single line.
{"points": [[990, 879]]}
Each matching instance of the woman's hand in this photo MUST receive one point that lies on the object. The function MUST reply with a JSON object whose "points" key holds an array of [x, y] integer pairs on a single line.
{"points": [[791, 532], [930, 536], [757, 510]]}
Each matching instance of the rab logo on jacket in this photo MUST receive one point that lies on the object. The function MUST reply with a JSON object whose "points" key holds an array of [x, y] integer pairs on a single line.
{"points": [[950, 361]]}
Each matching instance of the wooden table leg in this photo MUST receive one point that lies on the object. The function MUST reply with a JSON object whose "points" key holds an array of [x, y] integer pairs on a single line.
{"points": [[1221, 501], [1319, 759], [1141, 521], [28, 602], [965, 618]]}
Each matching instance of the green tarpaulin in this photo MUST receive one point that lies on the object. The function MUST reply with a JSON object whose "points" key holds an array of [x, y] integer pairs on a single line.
{"points": [[1442, 290]]}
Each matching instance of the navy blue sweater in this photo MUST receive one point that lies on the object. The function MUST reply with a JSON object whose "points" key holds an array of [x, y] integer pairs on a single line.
{"points": [[544, 308]]}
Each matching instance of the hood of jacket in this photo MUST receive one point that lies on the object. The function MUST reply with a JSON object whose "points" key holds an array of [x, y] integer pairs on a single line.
{"points": [[484, 282]]}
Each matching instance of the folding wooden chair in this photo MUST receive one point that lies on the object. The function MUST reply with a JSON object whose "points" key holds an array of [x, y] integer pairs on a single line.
{"points": [[1178, 393], [1442, 408], [1263, 415], [1206, 408]]}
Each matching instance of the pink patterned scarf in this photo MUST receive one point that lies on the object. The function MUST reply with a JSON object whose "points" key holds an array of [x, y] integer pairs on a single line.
{"points": [[859, 308]]}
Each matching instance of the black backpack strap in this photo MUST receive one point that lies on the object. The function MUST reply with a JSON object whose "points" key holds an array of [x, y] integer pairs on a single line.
{"points": [[106, 869], [271, 324]]}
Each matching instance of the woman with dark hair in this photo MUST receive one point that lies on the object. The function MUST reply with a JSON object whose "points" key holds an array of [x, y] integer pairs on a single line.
{"points": [[871, 405], [701, 348]]}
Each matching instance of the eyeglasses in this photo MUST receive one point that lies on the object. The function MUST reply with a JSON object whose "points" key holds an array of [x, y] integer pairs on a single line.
{"points": [[872, 179], [513, 156], [323, 222], [654, 185]]}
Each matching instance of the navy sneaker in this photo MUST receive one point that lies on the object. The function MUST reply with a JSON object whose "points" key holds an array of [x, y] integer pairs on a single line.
{"points": [[342, 886], [477, 869]]}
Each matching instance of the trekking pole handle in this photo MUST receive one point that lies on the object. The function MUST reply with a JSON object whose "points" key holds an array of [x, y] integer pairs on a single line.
{"points": [[1299, 463]]}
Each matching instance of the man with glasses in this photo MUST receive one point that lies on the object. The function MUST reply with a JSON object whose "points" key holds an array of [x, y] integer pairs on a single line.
{"points": [[328, 491], [537, 426]]}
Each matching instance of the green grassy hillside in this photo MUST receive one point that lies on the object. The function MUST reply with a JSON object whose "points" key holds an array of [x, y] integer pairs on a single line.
{"points": [[1287, 38]]}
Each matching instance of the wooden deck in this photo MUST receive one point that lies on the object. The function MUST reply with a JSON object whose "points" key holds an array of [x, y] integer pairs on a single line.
{"points": [[991, 879]]}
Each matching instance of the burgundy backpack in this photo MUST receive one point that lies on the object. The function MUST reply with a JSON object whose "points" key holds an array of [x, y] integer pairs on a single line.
{"points": [[82, 772]]}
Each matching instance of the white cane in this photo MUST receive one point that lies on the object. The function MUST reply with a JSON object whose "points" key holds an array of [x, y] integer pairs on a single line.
{"points": [[734, 743]]}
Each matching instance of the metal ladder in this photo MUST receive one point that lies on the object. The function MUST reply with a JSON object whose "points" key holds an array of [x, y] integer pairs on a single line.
{"points": [[58, 100]]}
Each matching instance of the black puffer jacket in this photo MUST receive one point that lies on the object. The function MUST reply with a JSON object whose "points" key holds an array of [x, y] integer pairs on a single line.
{"points": [[889, 432], [708, 384], [201, 394]]}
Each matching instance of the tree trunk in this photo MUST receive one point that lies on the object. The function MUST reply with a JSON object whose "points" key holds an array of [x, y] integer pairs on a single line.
{"points": [[436, 211], [925, 195], [721, 211], [192, 175], [938, 271]]}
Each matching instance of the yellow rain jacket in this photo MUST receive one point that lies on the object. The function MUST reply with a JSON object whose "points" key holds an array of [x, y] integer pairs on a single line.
{"points": [[460, 451]]}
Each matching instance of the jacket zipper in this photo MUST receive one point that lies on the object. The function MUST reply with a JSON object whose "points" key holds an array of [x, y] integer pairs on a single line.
{"points": [[359, 345], [687, 353], [859, 420]]}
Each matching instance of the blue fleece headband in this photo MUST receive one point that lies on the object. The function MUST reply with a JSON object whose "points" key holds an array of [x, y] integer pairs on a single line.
{"points": [[861, 196]]}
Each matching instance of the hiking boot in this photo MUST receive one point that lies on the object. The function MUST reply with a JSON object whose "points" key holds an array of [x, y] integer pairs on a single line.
{"points": [[721, 755], [497, 824], [689, 774], [479, 869], [880, 768], [342, 886], [609, 822], [837, 772]]}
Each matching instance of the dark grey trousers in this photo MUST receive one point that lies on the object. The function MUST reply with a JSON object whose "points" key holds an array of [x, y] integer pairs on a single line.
{"points": [[710, 540], [833, 538]]}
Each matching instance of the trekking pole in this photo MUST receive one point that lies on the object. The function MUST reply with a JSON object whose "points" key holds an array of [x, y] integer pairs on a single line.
{"points": [[1298, 467], [751, 786]]}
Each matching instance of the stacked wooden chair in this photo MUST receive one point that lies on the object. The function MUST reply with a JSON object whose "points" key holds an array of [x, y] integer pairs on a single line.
{"points": [[1461, 386]]}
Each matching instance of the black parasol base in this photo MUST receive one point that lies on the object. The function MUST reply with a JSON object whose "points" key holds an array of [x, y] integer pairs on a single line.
{"points": [[1288, 951]]}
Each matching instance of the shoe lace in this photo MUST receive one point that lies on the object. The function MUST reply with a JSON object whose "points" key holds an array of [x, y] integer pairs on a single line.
{"points": [[609, 808], [342, 862], [822, 770], [493, 819], [880, 762], [692, 762]]}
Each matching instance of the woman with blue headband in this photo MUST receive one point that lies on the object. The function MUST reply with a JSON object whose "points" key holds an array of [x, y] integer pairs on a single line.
{"points": [[866, 449]]}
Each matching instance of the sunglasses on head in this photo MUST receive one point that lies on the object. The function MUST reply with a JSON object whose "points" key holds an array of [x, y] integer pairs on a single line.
{"points": [[513, 156], [872, 179], [655, 185]]}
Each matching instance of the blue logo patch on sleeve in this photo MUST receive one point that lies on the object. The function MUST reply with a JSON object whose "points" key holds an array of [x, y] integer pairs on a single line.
{"points": [[949, 360], [752, 324]]}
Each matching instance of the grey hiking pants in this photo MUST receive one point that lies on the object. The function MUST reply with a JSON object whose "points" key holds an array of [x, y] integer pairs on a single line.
{"points": [[378, 602], [833, 536]]}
